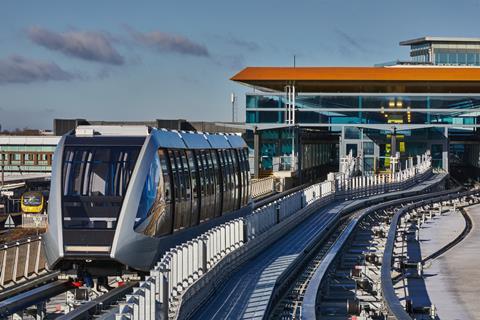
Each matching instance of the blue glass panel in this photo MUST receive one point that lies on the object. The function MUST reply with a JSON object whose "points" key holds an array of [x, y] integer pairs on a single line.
{"points": [[149, 192], [470, 58], [452, 58]]}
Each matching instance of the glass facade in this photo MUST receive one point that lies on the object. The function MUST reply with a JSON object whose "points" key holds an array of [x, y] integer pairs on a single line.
{"points": [[365, 123], [453, 57], [332, 110]]}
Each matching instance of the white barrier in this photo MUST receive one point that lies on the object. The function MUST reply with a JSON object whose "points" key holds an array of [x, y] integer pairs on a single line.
{"points": [[261, 187], [186, 264]]}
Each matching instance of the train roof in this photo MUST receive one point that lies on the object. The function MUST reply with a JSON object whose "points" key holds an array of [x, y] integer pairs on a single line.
{"points": [[165, 138]]}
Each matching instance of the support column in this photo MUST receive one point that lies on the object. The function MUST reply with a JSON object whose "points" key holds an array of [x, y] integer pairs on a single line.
{"points": [[299, 148], [393, 150], [445, 148], [256, 153]]}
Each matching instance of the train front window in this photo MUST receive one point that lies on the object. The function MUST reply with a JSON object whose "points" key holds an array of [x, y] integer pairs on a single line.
{"points": [[32, 199], [95, 179]]}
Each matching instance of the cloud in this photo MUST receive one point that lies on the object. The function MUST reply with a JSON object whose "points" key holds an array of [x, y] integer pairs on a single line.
{"points": [[91, 46], [171, 43], [17, 69], [248, 45], [231, 62], [350, 44]]}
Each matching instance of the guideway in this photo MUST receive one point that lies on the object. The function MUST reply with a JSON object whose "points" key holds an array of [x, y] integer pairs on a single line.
{"points": [[452, 279], [248, 292]]}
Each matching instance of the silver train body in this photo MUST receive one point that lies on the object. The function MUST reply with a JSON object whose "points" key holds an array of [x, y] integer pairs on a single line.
{"points": [[121, 197]]}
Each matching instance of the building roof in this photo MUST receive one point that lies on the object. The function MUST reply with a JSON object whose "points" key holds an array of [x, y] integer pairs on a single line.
{"points": [[439, 39], [29, 140], [363, 79]]}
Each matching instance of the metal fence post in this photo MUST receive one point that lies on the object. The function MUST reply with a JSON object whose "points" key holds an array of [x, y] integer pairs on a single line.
{"points": [[15, 264], [27, 260], [4, 264], [37, 260], [203, 256]]}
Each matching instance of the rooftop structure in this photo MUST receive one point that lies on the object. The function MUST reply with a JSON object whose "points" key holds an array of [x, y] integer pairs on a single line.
{"points": [[457, 51]]}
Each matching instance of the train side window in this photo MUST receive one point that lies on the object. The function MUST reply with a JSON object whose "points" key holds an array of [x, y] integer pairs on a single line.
{"points": [[241, 156], [218, 183], [247, 175], [203, 185], [149, 193], [188, 189], [211, 179], [208, 195], [195, 186], [238, 182], [242, 176], [226, 183], [176, 195], [182, 213], [165, 220], [231, 179]]}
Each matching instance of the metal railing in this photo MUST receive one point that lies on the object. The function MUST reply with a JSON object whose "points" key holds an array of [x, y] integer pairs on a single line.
{"points": [[262, 187], [182, 270], [362, 186], [21, 260]]}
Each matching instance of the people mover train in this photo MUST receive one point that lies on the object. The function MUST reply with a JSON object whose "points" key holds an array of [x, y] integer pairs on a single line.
{"points": [[121, 196]]}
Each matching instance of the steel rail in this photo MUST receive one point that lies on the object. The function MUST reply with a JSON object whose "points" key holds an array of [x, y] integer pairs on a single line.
{"points": [[34, 296], [311, 293], [42, 279], [454, 242], [90, 308], [392, 302]]}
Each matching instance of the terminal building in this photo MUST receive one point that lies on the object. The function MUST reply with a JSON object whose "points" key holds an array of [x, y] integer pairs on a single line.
{"points": [[309, 117]]}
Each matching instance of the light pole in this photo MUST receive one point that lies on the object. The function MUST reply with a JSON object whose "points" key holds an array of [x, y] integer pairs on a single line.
{"points": [[232, 100]]}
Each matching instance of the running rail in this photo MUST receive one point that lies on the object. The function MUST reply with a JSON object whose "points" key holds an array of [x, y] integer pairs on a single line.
{"points": [[392, 302], [26, 299], [310, 298]]}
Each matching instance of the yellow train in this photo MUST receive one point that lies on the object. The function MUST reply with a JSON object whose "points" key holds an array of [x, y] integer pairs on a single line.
{"points": [[33, 202]]}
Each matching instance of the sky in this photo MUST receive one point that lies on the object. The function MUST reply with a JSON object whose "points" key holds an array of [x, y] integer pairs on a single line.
{"points": [[145, 60]]}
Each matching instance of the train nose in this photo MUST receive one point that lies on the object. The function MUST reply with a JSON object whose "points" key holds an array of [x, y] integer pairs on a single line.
{"points": [[88, 242]]}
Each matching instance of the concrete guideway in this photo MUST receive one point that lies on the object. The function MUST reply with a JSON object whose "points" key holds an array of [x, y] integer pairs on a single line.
{"points": [[248, 292], [402, 254], [452, 280]]}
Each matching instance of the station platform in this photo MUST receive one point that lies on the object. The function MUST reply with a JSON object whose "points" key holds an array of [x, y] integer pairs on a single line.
{"points": [[247, 293], [452, 280]]}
